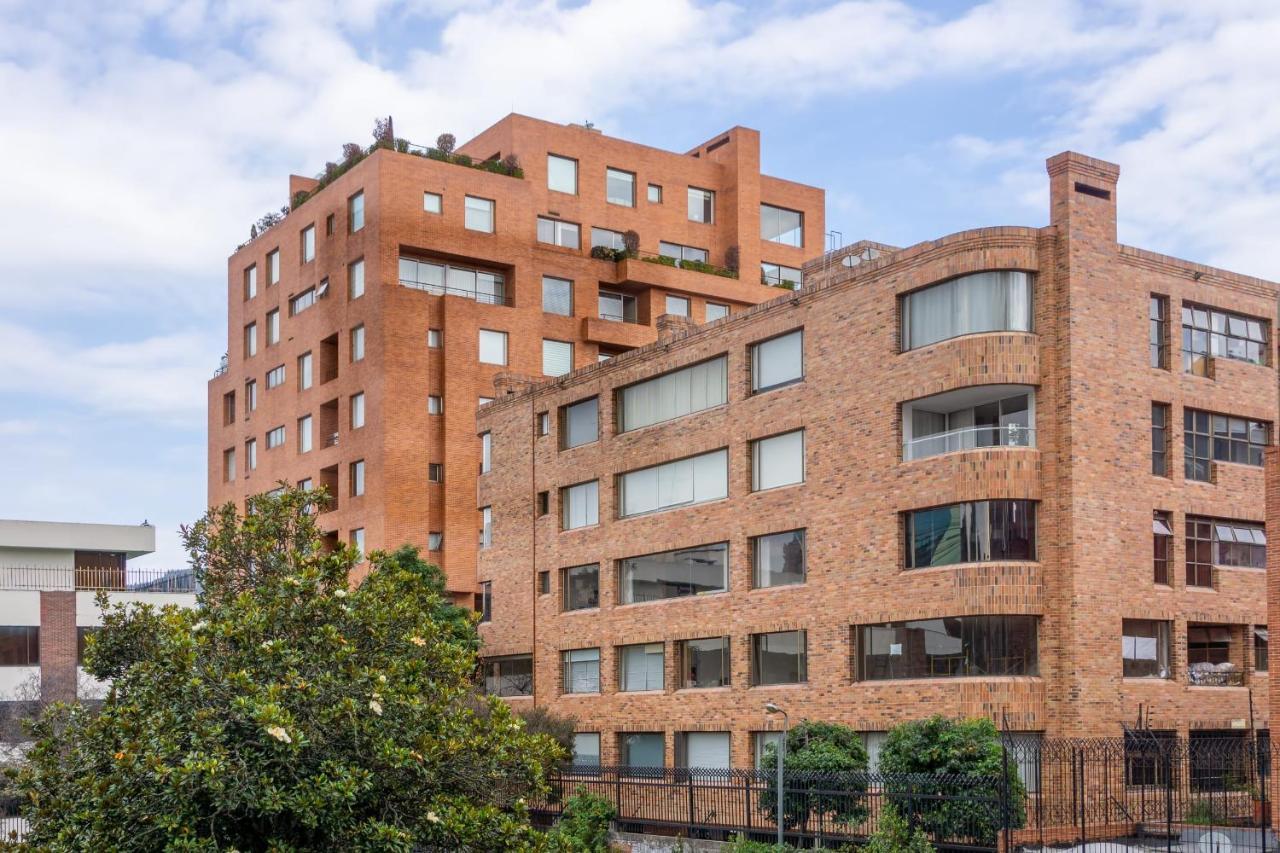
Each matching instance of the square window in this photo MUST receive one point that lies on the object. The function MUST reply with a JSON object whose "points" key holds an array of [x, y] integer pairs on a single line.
{"points": [[677, 305], [493, 347], [557, 357], [777, 461], [655, 194], [640, 667], [562, 174], [580, 587], [779, 558], [580, 671], [579, 423], [557, 296], [478, 214], [620, 187], [780, 657], [702, 205], [432, 202]]}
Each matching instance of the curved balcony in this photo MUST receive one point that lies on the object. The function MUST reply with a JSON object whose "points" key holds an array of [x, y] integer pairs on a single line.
{"points": [[969, 438], [974, 418]]}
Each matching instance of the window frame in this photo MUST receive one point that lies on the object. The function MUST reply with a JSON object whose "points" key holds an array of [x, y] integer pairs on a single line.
{"points": [[491, 211], [566, 506], [799, 242], [567, 589], [756, 553], [802, 657], [755, 353], [621, 487], [758, 446], [707, 214], [559, 228], [576, 171], [612, 173], [506, 354]]}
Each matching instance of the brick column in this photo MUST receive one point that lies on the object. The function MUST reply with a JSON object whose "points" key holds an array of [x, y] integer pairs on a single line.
{"points": [[58, 646]]}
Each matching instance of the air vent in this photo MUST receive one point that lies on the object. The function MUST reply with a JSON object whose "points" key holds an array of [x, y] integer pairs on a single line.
{"points": [[1096, 192]]}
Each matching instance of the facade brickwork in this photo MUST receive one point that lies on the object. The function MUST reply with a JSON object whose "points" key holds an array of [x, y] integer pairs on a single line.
{"points": [[58, 646]]}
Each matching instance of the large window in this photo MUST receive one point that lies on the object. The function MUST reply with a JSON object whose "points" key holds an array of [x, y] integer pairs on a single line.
{"points": [[967, 419], [640, 667], [996, 301], [478, 214], [608, 239], [19, 645], [780, 657], [1145, 648], [580, 586], [948, 647], [1160, 439], [1217, 542], [493, 347], [557, 295], [674, 574], [778, 275], [1162, 533], [684, 482], [562, 174], [672, 395], [640, 750], [1149, 756], [779, 225], [618, 307], [1219, 438], [1158, 331], [708, 750], [704, 662], [557, 357], [620, 187], [702, 205], [778, 361], [580, 423], [777, 461], [1209, 333], [778, 559], [580, 505], [441, 278], [974, 532], [557, 232], [580, 671], [509, 676]]}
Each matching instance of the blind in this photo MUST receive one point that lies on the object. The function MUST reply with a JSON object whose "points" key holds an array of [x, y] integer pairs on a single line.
{"points": [[493, 347], [557, 357], [681, 392], [706, 749], [557, 296], [685, 481], [778, 461], [642, 667], [777, 361], [581, 505]]}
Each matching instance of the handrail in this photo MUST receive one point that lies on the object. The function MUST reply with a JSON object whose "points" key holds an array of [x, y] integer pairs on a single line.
{"points": [[445, 290], [111, 578], [224, 364], [617, 318], [969, 438]]}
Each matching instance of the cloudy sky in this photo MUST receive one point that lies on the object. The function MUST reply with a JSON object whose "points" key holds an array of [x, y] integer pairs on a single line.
{"points": [[141, 137]]}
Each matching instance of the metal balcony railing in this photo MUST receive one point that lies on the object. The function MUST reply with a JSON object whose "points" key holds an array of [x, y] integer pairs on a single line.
{"points": [[969, 438], [618, 318], [127, 579], [445, 290], [1215, 675]]}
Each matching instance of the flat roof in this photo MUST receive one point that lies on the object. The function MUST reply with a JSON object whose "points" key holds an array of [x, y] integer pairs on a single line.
{"points": [[132, 539]]}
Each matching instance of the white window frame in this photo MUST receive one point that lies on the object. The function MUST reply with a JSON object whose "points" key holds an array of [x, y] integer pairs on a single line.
{"points": [[355, 279], [675, 484], [357, 410]]}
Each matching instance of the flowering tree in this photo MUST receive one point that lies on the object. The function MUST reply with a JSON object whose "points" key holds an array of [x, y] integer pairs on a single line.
{"points": [[286, 712]]}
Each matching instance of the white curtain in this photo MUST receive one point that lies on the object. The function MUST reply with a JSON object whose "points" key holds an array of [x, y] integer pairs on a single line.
{"points": [[777, 361], [681, 392], [582, 505], [779, 461], [982, 302], [706, 749], [701, 478]]}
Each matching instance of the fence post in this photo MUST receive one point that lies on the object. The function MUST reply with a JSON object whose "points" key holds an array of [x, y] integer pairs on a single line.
{"points": [[617, 791], [691, 814], [746, 785], [1083, 796], [1004, 792]]}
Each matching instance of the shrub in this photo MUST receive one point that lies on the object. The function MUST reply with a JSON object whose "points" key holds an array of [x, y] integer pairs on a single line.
{"points": [[584, 823], [814, 748], [741, 844], [384, 135], [511, 165], [604, 253], [402, 145], [894, 835], [631, 240], [445, 143], [352, 153], [540, 720], [462, 159], [731, 258]]}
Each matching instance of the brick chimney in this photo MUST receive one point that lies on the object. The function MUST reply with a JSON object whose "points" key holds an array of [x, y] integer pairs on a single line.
{"points": [[672, 326], [1082, 197]]}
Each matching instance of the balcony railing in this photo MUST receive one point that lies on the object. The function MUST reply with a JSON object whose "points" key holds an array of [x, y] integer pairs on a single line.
{"points": [[618, 318], [969, 438], [445, 290], [687, 264], [127, 579], [224, 364], [1215, 675]]}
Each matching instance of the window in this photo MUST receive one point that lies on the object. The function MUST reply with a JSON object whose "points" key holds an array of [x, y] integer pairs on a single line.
{"points": [[1162, 532], [251, 281], [777, 461], [674, 574], [432, 202], [579, 423], [250, 396], [308, 244], [640, 667], [778, 361], [558, 232], [1208, 644], [684, 482], [273, 267], [435, 338], [948, 647], [1160, 439], [544, 423], [357, 478], [557, 295], [357, 410], [779, 276], [677, 305], [716, 311], [250, 340], [542, 503], [275, 377], [304, 434], [707, 750], [486, 526], [997, 301], [682, 253], [435, 540], [435, 472], [1145, 648], [328, 225], [357, 343], [672, 395], [355, 212], [229, 412], [562, 174], [580, 505], [702, 205], [580, 587], [355, 279], [488, 288], [304, 371], [1213, 542], [435, 404], [778, 559], [509, 676], [1149, 756], [655, 194], [82, 637], [641, 750], [1260, 641], [1210, 333], [19, 645], [779, 225], [1221, 439], [977, 532], [1159, 331], [305, 484], [484, 601], [1199, 552], [357, 541], [275, 437], [607, 239], [229, 464], [557, 357], [704, 662], [620, 187], [478, 214], [586, 749], [486, 452], [493, 347], [251, 455], [580, 671], [967, 419], [762, 742], [302, 301], [779, 658]]}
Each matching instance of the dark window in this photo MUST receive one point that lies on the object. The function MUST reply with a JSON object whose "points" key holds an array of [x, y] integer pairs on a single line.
{"points": [[1162, 532], [1148, 756], [19, 645], [544, 423], [704, 663], [1160, 439], [1160, 332], [778, 558], [1208, 333], [971, 532], [948, 647], [581, 587], [779, 658], [509, 676], [1220, 438], [1220, 759], [1260, 648], [1199, 552], [544, 583], [544, 503], [1145, 648], [484, 601], [673, 574], [1208, 644]]}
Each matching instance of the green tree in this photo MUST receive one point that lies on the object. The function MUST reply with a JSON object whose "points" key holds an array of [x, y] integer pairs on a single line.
{"points": [[955, 768], [286, 712], [815, 750]]}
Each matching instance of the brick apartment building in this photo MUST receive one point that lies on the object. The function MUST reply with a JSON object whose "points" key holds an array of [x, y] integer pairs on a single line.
{"points": [[367, 326], [1013, 472]]}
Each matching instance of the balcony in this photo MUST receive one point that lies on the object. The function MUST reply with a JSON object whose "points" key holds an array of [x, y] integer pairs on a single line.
{"points": [[969, 438], [1215, 655], [1209, 675], [109, 578], [969, 419]]}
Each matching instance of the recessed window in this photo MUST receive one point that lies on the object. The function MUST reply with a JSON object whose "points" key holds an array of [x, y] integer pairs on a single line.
{"points": [[1260, 648], [1160, 439], [1159, 331], [484, 601], [435, 338], [357, 478], [655, 194], [275, 377], [778, 361], [557, 357], [486, 526], [682, 253], [273, 266], [677, 306], [969, 418], [1210, 333], [1220, 438], [251, 281], [777, 275], [355, 211], [617, 307], [19, 645], [704, 662], [1218, 542], [432, 202], [641, 750], [250, 340], [620, 187], [273, 327], [302, 301], [716, 311], [672, 395], [580, 423], [640, 667], [435, 540], [250, 396], [542, 503], [684, 482], [674, 574], [762, 743], [705, 750], [478, 215], [304, 371], [580, 587], [357, 343], [275, 437], [229, 464], [607, 239], [493, 347], [586, 749], [1145, 649], [997, 301], [355, 279], [777, 461], [975, 532], [328, 225], [580, 505], [435, 472], [702, 205], [558, 232], [543, 423], [557, 295], [778, 558], [509, 676], [304, 434], [562, 174], [780, 657], [357, 411], [251, 455], [308, 244], [486, 452], [435, 404], [483, 401], [438, 278], [357, 542], [779, 225], [1162, 532], [580, 671], [229, 408], [949, 647]]}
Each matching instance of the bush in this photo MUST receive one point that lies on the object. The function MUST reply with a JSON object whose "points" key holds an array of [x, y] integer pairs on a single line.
{"points": [[732, 258], [895, 835], [660, 259], [741, 844], [584, 823], [604, 253], [819, 748], [540, 720], [631, 240]]}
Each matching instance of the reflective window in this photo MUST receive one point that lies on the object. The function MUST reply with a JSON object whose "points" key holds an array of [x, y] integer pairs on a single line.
{"points": [[580, 587], [355, 278], [779, 225], [780, 276], [355, 212], [780, 657], [562, 174], [674, 574], [716, 311], [1158, 331], [579, 423], [441, 278], [308, 243], [432, 202], [1220, 438], [702, 205], [778, 558], [580, 672], [941, 424], [608, 239], [19, 645], [478, 214], [509, 676], [1162, 533], [640, 750], [682, 253], [586, 749], [704, 663], [618, 307], [677, 306], [1210, 333], [975, 532], [620, 187], [777, 361], [982, 302], [1145, 649], [558, 233], [777, 461], [580, 505], [947, 647]]}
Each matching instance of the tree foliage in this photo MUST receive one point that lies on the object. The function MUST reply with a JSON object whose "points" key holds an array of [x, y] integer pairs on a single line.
{"points": [[815, 749], [286, 712], [895, 835], [584, 824]]}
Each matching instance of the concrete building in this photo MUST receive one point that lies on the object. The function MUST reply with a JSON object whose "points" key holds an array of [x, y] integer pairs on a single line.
{"points": [[1012, 472], [366, 327]]}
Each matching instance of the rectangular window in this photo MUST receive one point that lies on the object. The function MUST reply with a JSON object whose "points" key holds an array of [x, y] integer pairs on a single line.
{"points": [[946, 423], [509, 676], [435, 404], [672, 395], [486, 452], [435, 472], [435, 338], [618, 307], [674, 574], [478, 214], [1209, 333], [229, 464], [542, 503], [357, 343], [763, 743], [251, 455], [435, 540], [484, 286], [229, 411], [580, 587], [607, 239], [557, 296], [1149, 757], [562, 174], [1260, 641], [976, 532], [778, 361], [543, 423], [1162, 532], [1199, 552], [777, 275], [357, 478], [304, 434], [677, 306], [705, 750], [557, 357], [704, 662], [486, 526], [580, 671], [779, 225], [355, 212], [275, 437], [1159, 331], [250, 340], [275, 376], [304, 371], [580, 423], [948, 647], [716, 311], [640, 667], [682, 253], [484, 601], [251, 281], [642, 750], [777, 461], [620, 187], [1220, 438], [273, 267], [308, 244], [357, 411], [432, 202], [558, 232], [493, 347], [1218, 542], [355, 279], [586, 749], [580, 505], [684, 482], [655, 194], [996, 301], [302, 301], [250, 396], [702, 205], [778, 558], [780, 657], [328, 225], [19, 645], [1145, 649], [1160, 439], [357, 541]]}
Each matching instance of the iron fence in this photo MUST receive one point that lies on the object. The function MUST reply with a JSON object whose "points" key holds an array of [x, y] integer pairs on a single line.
{"points": [[110, 578]]}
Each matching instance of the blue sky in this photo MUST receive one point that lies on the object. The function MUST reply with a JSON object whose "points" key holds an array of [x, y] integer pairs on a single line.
{"points": [[142, 137]]}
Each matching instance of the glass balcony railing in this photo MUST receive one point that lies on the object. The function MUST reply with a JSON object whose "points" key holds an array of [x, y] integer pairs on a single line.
{"points": [[969, 438]]}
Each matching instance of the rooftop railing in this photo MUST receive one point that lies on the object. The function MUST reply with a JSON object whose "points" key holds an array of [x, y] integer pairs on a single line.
{"points": [[127, 579]]}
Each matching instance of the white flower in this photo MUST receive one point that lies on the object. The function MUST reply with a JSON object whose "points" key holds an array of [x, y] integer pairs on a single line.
{"points": [[199, 626], [382, 678], [339, 593], [279, 734], [375, 706], [433, 817]]}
